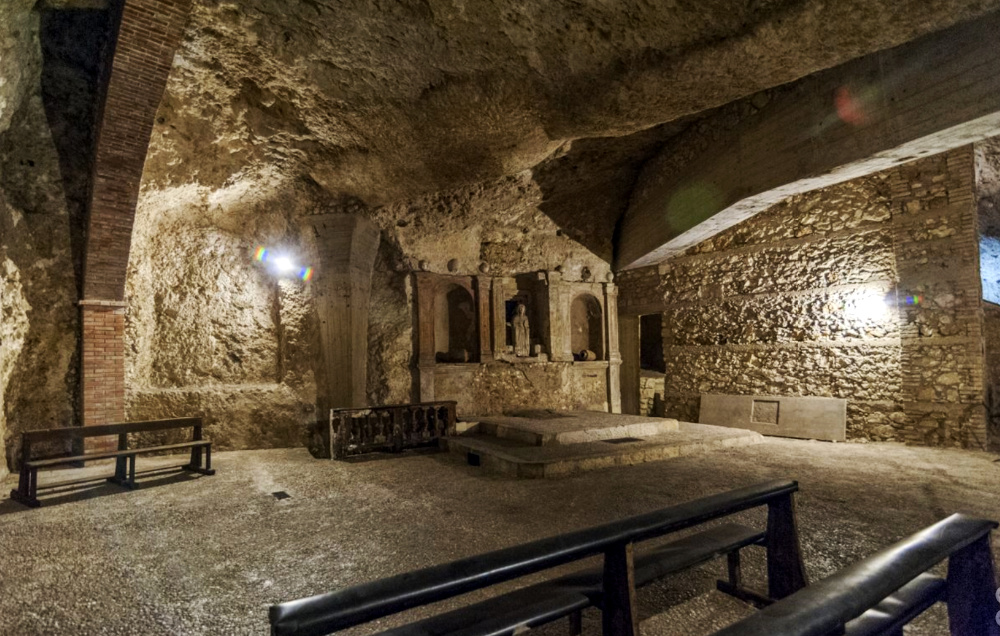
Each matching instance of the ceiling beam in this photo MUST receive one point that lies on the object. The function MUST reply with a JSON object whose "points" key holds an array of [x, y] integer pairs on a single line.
{"points": [[925, 97]]}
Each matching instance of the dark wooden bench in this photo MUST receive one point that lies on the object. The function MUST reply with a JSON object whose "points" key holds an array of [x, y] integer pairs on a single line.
{"points": [[881, 594], [124, 456], [610, 586]]}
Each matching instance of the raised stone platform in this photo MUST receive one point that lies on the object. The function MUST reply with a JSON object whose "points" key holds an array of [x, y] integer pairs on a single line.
{"points": [[542, 428], [558, 443]]}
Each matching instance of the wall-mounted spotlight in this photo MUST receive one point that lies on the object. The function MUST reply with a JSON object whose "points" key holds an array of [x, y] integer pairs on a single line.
{"points": [[281, 264], [867, 306]]}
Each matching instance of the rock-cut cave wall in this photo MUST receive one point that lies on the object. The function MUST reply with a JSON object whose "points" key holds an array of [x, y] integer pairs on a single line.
{"points": [[867, 291], [210, 332], [48, 81]]}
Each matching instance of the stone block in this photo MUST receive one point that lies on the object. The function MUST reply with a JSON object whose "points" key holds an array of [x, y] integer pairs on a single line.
{"points": [[800, 417]]}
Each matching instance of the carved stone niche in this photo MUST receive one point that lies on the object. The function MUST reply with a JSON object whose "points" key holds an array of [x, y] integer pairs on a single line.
{"points": [[468, 320], [453, 323], [529, 290]]}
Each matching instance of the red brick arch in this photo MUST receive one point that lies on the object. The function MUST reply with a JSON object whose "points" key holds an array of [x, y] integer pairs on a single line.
{"points": [[148, 34]]}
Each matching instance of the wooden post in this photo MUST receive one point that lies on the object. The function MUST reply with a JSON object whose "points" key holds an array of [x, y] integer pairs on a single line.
{"points": [[785, 572], [972, 591], [619, 614], [195, 451]]}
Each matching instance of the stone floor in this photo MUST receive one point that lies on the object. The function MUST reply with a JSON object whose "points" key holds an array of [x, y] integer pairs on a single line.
{"points": [[207, 555]]}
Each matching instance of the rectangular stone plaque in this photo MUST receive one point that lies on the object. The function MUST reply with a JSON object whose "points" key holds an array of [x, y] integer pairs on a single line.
{"points": [[800, 417], [765, 412]]}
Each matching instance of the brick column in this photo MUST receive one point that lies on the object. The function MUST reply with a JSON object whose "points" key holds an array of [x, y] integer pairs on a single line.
{"points": [[103, 362]]}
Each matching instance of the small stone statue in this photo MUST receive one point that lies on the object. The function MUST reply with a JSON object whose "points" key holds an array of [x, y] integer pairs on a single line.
{"points": [[522, 333]]}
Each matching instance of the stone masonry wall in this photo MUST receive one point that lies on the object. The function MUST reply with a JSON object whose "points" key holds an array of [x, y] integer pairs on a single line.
{"points": [[988, 202], [651, 393], [941, 327], [811, 298]]}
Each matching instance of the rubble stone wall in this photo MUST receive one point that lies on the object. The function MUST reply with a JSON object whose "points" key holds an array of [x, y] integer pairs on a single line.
{"points": [[651, 385], [988, 202], [866, 290]]}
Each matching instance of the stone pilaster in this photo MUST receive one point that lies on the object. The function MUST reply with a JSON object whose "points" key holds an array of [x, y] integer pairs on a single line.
{"points": [[483, 313], [614, 355], [559, 328], [425, 288], [499, 318], [347, 246]]}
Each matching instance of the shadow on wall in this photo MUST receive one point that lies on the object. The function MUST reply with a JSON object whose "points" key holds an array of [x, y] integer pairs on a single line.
{"points": [[586, 185], [74, 47], [44, 176]]}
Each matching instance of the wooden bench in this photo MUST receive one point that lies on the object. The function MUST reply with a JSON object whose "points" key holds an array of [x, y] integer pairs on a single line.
{"points": [[124, 456], [610, 586], [881, 594]]}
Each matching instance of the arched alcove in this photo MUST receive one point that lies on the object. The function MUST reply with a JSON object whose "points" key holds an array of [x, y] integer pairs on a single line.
{"points": [[455, 325], [586, 325]]}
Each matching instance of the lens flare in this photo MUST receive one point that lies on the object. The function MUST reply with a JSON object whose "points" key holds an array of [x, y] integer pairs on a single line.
{"points": [[282, 265], [914, 300], [849, 108]]}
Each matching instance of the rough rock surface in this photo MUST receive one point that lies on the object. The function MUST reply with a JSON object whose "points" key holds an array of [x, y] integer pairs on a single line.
{"points": [[208, 332], [386, 101], [47, 78], [496, 134]]}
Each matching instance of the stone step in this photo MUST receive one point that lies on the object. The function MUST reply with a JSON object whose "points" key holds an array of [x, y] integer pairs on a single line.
{"points": [[700, 616], [542, 428], [515, 458]]}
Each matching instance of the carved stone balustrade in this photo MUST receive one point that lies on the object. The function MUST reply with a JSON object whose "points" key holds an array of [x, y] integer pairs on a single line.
{"points": [[388, 428]]}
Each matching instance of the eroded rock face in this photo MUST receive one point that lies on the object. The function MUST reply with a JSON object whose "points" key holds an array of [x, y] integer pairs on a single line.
{"points": [[209, 332], [387, 101], [38, 342]]}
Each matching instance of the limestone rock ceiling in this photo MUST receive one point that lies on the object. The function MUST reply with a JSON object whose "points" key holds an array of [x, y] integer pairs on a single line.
{"points": [[388, 100]]}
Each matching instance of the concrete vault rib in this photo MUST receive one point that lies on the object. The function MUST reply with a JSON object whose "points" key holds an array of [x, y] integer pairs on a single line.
{"points": [[925, 97]]}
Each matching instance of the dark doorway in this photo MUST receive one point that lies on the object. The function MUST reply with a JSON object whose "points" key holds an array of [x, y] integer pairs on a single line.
{"points": [[651, 343]]}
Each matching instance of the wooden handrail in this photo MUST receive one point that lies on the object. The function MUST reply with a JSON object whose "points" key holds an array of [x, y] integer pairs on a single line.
{"points": [[326, 613], [826, 606]]}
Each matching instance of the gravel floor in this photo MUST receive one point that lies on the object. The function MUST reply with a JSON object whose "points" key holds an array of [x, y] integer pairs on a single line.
{"points": [[207, 555]]}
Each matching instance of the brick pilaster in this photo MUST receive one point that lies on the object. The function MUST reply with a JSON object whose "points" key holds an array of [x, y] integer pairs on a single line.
{"points": [[103, 361]]}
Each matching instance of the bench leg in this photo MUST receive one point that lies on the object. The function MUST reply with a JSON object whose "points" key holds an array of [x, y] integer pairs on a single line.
{"points": [[576, 623], [131, 471], [27, 488], [973, 597], [121, 472], [734, 586], [195, 465]]}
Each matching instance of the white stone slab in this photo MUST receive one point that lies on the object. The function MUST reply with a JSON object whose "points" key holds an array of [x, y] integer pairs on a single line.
{"points": [[801, 417]]}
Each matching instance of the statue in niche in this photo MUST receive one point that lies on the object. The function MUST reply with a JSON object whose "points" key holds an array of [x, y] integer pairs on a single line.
{"points": [[522, 333]]}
